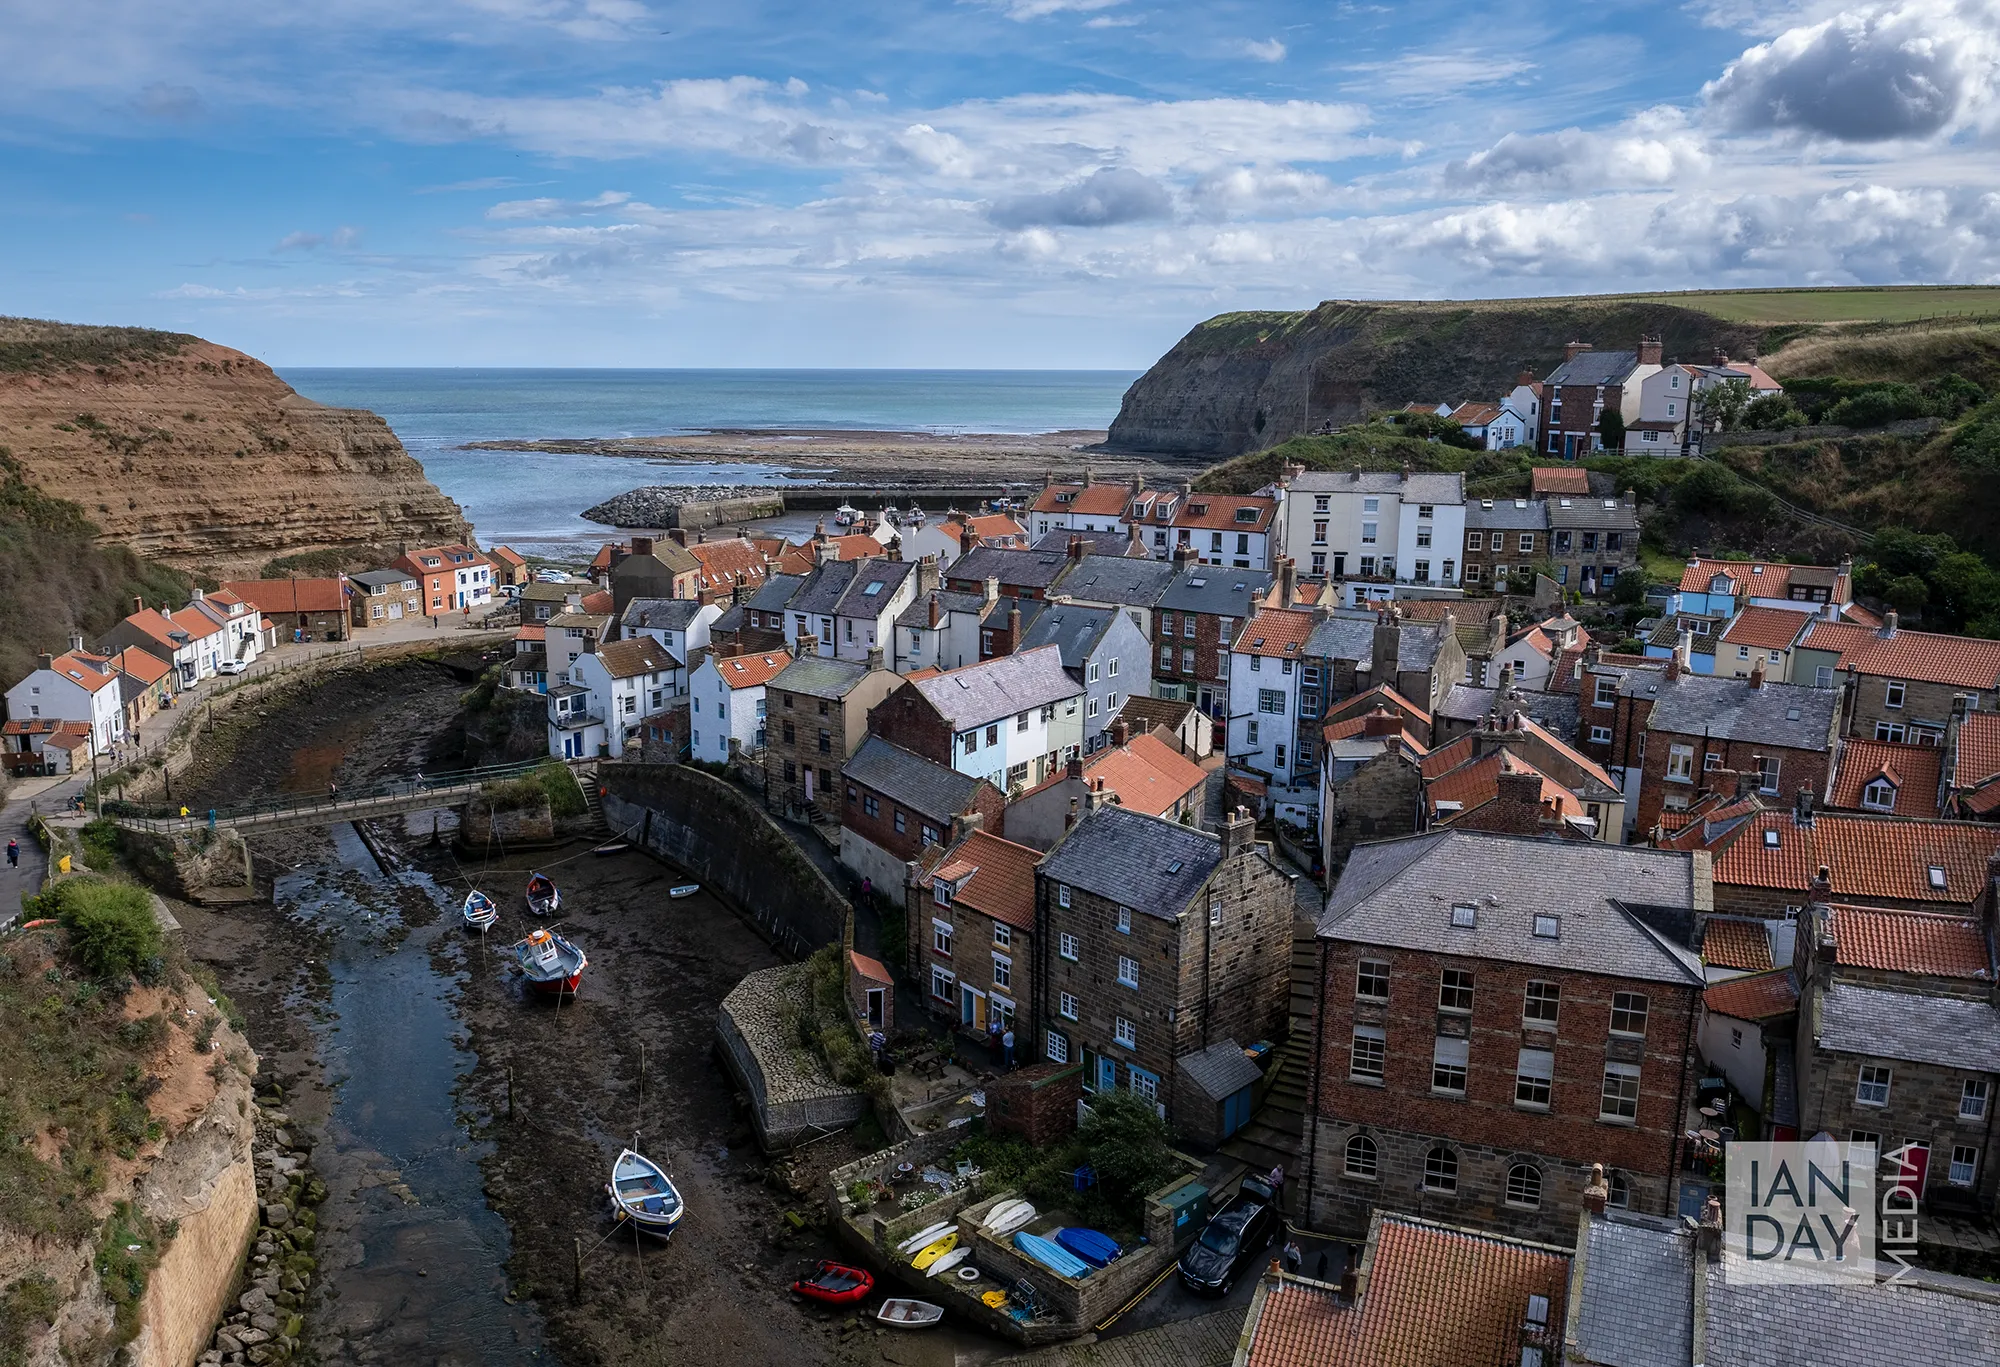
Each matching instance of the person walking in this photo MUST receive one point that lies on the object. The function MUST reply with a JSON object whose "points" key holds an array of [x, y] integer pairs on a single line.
{"points": [[332, 791], [1295, 1257], [1007, 1046], [13, 854]]}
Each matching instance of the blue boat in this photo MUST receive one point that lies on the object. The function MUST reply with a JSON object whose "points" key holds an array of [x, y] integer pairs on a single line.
{"points": [[1051, 1255], [1088, 1244]]}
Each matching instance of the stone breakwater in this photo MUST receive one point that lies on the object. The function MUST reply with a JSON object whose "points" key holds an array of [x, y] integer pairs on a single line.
{"points": [[269, 1317], [667, 505]]}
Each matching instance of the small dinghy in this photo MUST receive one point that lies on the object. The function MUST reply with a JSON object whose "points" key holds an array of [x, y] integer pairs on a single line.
{"points": [[935, 1250], [683, 890], [1088, 1244], [543, 897], [643, 1194], [835, 1284], [550, 963], [949, 1261], [1009, 1216], [615, 847], [924, 1236], [908, 1314], [480, 913], [844, 516], [1052, 1255]]}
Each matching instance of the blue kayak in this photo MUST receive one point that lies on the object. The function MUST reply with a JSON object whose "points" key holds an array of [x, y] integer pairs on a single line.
{"points": [[1094, 1248], [1051, 1255]]}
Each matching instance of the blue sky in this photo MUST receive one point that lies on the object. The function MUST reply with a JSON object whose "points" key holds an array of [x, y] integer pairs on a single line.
{"points": [[956, 182]]}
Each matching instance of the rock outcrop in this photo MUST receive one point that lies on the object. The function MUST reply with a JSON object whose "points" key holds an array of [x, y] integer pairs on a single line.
{"points": [[1245, 381], [200, 456]]}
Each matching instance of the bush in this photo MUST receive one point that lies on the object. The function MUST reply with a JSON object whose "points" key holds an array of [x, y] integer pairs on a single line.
{"points": [[30, 1303], [1611, 429], [1879, 406], [1432, 427], [1976, 444], [111, 927], [1772, 412]]}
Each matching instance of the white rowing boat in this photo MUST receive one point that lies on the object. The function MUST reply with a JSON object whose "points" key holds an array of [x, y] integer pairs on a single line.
{"points": [[901, 1313], [644, 1194]]}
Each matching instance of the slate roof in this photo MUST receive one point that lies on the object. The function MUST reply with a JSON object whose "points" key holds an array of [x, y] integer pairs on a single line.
{"points": [[392, 579], [1911, 942], [1399, 893], [1417, 645], [1869, 858], [1558, 713], [1014, 569], [1914, 771], [1594, 367], [1636, 1297], [1342, 638], [1143, 713], [1779, 715], [857, 601], [1755, 996], [918, 613], [1108, 544], [1128, 582], [1914, 1322], [980, 693], [1925, 656], [1507, 515], [775, 593], [660, 614], [1153, 866], [1950, 1032], [1221, 1070], [1072, 629], [1415, 487], [926, 788], [1592, 514], [1214, 590], [818, 677], [820, 594]]}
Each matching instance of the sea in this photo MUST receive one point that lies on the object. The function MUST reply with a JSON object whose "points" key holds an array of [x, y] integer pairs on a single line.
{"points": [[531, 499]]}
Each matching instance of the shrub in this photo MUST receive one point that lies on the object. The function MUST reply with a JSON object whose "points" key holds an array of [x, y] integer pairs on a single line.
{"points": [[1611, 429], [1772, 412], [101, 843], [1976, 444], [126, 1256], [111, 927], [29, 1303], [1879, 405]]}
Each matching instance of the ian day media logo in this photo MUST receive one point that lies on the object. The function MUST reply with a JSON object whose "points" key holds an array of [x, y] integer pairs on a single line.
{"points": [[1800, 1212]]}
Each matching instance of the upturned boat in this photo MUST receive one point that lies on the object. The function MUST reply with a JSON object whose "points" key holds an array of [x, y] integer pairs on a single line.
{"points": [[550, 963], [480, 913], [644, 1194], [544, 899]]}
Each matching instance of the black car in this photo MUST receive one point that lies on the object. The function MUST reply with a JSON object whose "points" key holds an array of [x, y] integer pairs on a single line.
{"points": [[1235, 1237]]}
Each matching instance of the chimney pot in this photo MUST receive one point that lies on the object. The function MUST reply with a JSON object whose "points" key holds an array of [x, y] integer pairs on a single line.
{"points": [[874, 659], [1889, 625]]}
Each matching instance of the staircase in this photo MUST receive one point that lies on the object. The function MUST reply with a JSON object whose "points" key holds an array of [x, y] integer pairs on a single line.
{"points": [[586, 779], [1276, 1133]]}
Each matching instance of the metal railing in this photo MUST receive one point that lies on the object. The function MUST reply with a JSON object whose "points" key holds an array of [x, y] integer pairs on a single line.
{"points": [[315, 804]]}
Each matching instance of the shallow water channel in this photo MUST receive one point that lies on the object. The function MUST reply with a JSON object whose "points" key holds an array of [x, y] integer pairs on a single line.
{"points": [[416, 1274]]}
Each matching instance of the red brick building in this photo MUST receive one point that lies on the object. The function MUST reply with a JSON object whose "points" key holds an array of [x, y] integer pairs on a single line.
{"points": [[895, 805], [1497, 1013], [1193, 628]]}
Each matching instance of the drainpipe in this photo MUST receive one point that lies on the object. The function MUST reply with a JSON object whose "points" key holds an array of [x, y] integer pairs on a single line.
{"points": [[1312, 1100], [1680, 1111]]}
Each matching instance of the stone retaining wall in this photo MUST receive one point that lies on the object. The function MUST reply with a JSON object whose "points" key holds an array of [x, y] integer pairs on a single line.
{"points": [[792, 1098]]}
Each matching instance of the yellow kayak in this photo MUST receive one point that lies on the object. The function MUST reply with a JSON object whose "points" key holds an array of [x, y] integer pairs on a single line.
{"points": [[932, 1252]]}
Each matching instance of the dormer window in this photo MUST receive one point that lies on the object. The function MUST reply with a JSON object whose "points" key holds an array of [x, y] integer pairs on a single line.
{"points": [[1548, 927], [1246, 514]]}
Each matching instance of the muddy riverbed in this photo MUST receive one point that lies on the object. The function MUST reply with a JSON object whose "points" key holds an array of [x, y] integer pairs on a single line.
{"points": [[451, 1231]]}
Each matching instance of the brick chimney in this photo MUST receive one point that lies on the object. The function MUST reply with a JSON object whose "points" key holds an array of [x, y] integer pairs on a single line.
{"points": [[1757, 673], [1121, 733], [1288, 582], [1381, 722], [1185, 555], [1239, 832], [1596, 1192], [964, 824], [806, 644], [1526, 377], [1138, 484], [934, 609], [1677, 663], [874, 659], [967, 542], [1649, 351], [643, 545], [1820, 890], [1387, 647], [138, 605], [1746, 783], [1723, 782], [1708, 1234], [1074, 768], [45, 662], [825, 552], [1076, 548], [1575, 349], [1517, 801]]}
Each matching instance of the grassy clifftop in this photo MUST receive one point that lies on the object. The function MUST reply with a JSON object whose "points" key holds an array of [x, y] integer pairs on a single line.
{"points": [[33, 345]]}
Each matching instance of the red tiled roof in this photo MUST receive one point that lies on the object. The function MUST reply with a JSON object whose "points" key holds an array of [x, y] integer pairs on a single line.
{"points": [[868, 968], [1983, 801], [1148, 775], [1914, 771], [1754, 997], [1093, 500], [1471, 414], [1753, 578], [146, 668], [1925, 656], [1361, 704], [1978, 749], [1003, 878], [1474, 785], [1355, 726], [89, 672], [532, 631], [44, 726], [748, 671], [598, 604], [68, 740], [1729, 943], [291, 595], [1910, 942], [722, 561], [1434, 1296], [507, 555], [986, 526], [1869, 857], [1560, 479], [1763, 628], [1860, 616], [1217, 512], [1281, 632]]}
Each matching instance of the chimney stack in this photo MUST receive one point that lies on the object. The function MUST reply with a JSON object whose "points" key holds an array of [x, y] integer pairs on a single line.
{"points": [[1121, 733], [1239, 830], [1185, 555], [1574, 349], [45, 662], [992, 589], [1014, 627], [1388, 645], [643, 545], [806, 644], [1757, 673], [76, 642], [1597, 1192], [1821, 889], [1073, 769], [1288, 582], [1889, 624], [967, 542], [1076, 548], [1708, 1234], [874, 659], [1649, 351], [1746, 784], [934, 609], [138, 605], [965, 823], [1381, 723]]}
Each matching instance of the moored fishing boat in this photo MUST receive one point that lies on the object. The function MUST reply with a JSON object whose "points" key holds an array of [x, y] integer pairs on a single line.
{"points": [[544, 898], [683, 890], [550, 963], [643, 1193], [480, 912]]}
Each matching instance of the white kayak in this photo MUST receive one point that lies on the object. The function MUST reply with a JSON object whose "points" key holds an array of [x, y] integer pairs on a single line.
{"points": [[1008, 1216], [926, 1237], [949, 1261]]}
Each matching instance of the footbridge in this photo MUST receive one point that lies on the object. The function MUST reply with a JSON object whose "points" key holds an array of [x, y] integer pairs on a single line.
{"points": [[294, 810]]}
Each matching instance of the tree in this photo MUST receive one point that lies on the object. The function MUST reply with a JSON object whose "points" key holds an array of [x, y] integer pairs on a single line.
{"points": [[1611, 429], [1908, 595], [1721, 405], [1772, 412]]}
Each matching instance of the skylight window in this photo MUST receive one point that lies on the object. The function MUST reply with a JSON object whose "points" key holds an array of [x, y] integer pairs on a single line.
{"points": [[872, 589], [1174, 867], [1936, 876], [1770, 840], [1465, 916], [1548, 927]]}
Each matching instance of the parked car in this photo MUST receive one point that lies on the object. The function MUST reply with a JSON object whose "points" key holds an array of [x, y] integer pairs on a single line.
{"points": [[231, 667], [1234, 1239]]}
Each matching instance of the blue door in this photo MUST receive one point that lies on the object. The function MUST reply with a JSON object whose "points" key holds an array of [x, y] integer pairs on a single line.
{"points": [[1107, 1073], [1235, 1112]]}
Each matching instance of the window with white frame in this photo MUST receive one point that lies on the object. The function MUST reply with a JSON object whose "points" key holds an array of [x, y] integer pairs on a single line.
{"points": [[1128, 971], [1972, 1100], [1003, 935], [1066, 946], [1062, 894], [1680, 764], [1620, 1097], [1879, 796], [1600, 735], [1605, 693], [1964, 1165], [941, 936], [1450, 1059], [1892, 693], [1067, 1005], [1871, 1088], [1888, 730], [1056, 1047], [1124, 1032], [1367, 1055], [1003, 971], [1124, 920], [943, 984], [1534, 1077]]}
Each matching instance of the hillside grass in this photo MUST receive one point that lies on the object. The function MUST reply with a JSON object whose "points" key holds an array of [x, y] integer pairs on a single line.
{"points": [[1372, 446], [37, 345], [1859, 304]]}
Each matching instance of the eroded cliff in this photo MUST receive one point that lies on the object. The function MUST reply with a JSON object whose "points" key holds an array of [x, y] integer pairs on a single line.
{"points": [[1245, 381], [200, 456]]}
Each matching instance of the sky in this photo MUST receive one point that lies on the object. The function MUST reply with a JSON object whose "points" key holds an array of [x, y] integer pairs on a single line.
{"points": [[956, 183]]}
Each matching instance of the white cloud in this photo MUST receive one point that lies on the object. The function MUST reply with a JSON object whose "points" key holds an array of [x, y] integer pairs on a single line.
{"points": [[1434, 76], [1023, 10], [1913, 70], [1111, 195], [1655, 147], [1264, 50], [556, 208]]}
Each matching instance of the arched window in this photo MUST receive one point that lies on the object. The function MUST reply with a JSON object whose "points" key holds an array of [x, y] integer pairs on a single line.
{"points": [[1440, 1170], [1524, 1185], [1361, 1158], [1621, 1192]]}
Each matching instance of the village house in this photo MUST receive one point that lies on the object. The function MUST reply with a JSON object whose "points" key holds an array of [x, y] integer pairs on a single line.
{"points": [[1185, 728], [1769, 635], [970, 909], [384, 596], [956, 533], [1892, 777], [1586, 384], [1143, 772], [819, 712], [801, 558], [301, 609], [541, 601], [1499, 1013], [682, 625], [41, 746], [1906, 683], [1668, 399], [575, 631], [729, 704], [1019, 574], [650, 569], [1371, 776], [755, 620], [1406, 528], [214, 634], [510, 568], [1102, 650], [850, 606], [1011, 721], [154, 631], [455, 578], [725, 566], [1576, 794], [896, 805], [1195, 626], [145, 685], [940, 629], [1504, 539], [1233, 530], [1087, 507], [1719, 589], [1266, 713], [1132, 585], [1156, 941], [626, 682], [528, 667], [1592, 541], [75, 686], [1972, 780]]}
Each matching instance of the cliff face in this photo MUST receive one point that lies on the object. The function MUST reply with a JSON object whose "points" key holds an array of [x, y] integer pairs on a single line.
{"points": [[200, 456], [1245, 381]]}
